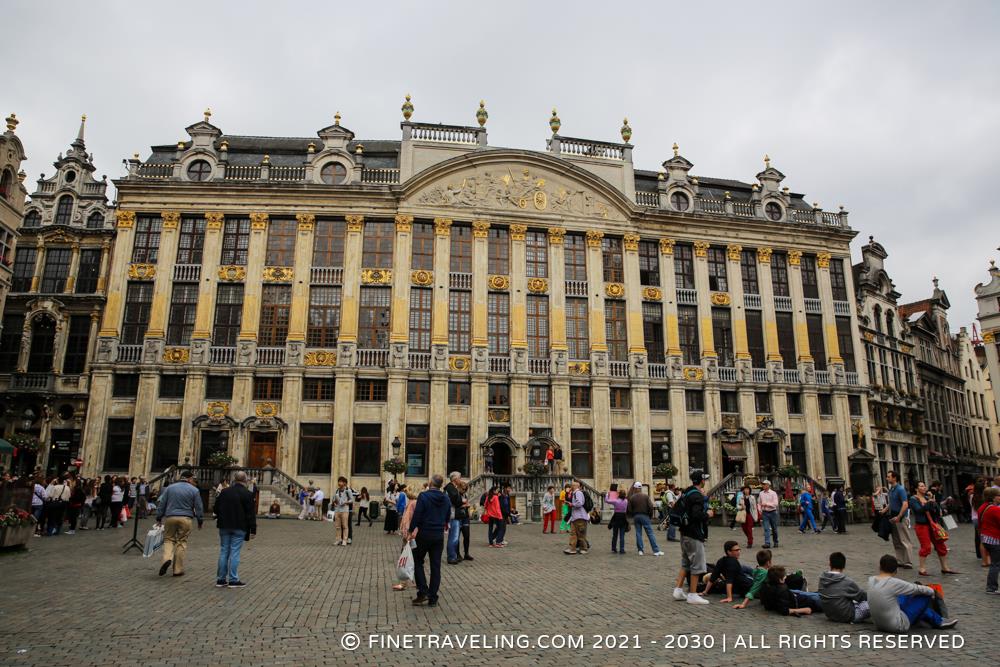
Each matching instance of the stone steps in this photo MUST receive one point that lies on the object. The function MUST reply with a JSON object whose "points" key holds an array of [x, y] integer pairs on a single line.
{"points": [[269, 493]]}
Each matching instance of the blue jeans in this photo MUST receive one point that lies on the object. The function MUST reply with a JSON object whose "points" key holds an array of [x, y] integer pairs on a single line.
{"points": [[811, 600], [807, 518], [770, 520], [454, 532], [642, 523], [231, 543], [918, 608]]}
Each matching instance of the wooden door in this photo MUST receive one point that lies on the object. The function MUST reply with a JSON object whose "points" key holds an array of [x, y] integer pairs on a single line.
{"points": [[263, 448]]}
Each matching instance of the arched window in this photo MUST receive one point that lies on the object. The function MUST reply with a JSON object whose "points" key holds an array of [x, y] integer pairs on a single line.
{"points": [[889, 325], [64, 210], [877, 313], [43, 338], [33, 219], [6, 184], [96, 220]]}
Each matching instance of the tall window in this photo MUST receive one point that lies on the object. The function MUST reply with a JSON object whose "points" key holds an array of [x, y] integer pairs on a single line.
{"points": [[845, 341], [748, 271], [621, 454], [64, 210], [499, 394], [268, 388], [24, 269], [838, 281], [460, 257], [755, 338], [718, 279], [43, 341], [138, 300], [830, 463], [118, 449], [275, 308], [615, 329], [613, 261], [32, 219], [56, 270], [418, 392], [687, 328], [373, 318], [219, 388], [191, 240], [95, 220], [786, 339], [684, 266], [652, 332], [77, 343], [316, 449], [228, 315], [460, 320], [318, 389], [421, 305], [577, 328], [146, 246], [328, 243], [499, 251], [539, 396], [10, 342], [575, 253], [722, 333], [418, 442], [422, 252], [378, 242], [779, 274], [183, 304], [810, 284], [798, 446], [649, 263], [459, 393], [458, 449], [235, 241], [324, 316], [166, 443], [537, 254], [538, 326], [281, 234], [88, 272], [697, 450], [582, 452], [579, 396], [367, 447], [814, 329], [371, 390], [498, 324]]}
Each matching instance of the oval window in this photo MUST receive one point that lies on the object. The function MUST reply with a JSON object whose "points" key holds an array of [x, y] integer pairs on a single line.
{"points": [[680, 201], [773, 210], [199, 170], [333, 173]]}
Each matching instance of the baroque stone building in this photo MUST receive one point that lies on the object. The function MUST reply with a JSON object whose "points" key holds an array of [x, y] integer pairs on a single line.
{"points": [[57, 295], [988, 301], [12, 194], [979, 398], [308, 301]]}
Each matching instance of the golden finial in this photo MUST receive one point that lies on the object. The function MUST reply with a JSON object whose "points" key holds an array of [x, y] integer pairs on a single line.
{"points": [[554, 122], [407, 108], [360, 149], [311, 148], [481, 114], [12, 122], [626, 131], [266, 160], [208, 113], [83, 118], [676, 149], [767, 161], [224, 145], [180, 145], [727, 194], [660, 176], [135, 156], [336, 118]]}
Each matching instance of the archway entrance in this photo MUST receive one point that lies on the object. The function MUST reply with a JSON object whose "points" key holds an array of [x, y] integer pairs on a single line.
{"points": [[263, 448], [503, 458], [767, 455], [861, 478]]}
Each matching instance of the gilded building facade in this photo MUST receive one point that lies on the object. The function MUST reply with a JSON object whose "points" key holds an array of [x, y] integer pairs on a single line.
{"points": [[57, 295], [12, 194], [979, 397], [305, 302]]}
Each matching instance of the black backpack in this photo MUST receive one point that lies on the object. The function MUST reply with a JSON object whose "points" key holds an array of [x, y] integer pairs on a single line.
{"points": [[588, 502], [679, 515]]}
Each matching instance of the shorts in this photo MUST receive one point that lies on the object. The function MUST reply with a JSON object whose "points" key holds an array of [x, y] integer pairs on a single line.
{"points": [[693, 555]]}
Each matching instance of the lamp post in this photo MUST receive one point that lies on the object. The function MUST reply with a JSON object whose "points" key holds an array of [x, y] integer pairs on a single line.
{"points": [[396, 447]]}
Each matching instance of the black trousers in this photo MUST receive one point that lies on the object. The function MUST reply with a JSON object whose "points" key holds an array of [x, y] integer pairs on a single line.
{"points": [[841, 520], [432, 546]]}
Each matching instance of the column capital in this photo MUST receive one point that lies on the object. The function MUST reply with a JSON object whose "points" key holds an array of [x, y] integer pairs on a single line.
{"points": [[556, 235], [125, 219], [733, 251], [170, 219], [404, 223], [631, 242], [214, 220], [701, 249], [480, 229], [442, 226], [794, 257], [764, 255], [307, 221], [517, 232], [354, 222], [823, 260], [594, 238], [667, 246], [258, 221]]}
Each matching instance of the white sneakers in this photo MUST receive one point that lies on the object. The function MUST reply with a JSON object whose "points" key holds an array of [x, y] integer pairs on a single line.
{"points": [[694, 598], [658, 553], [680, 595], [641, 553]]}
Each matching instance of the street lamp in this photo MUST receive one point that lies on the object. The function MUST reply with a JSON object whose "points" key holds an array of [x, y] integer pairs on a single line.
{"points": [[396, 446]]}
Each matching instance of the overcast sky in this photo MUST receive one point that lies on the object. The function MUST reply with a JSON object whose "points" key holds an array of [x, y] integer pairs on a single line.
{"points": [[892, 109]]}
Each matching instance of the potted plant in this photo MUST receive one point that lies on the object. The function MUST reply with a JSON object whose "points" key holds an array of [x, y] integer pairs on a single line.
{"points": [[25, 441], [221, 460], [666, 470], [16, 527], [789, 471], [534, 468], [394, 466]]}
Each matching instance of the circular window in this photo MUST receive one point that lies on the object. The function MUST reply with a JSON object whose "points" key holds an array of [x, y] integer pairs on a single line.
{"points": [[773, 211], [70, 176], [333, 173], [199, 170], [680, 201], [66, 411]]}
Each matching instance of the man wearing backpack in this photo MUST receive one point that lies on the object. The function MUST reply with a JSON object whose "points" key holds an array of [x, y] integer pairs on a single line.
{"points": [[582, 505], [692, 518]]}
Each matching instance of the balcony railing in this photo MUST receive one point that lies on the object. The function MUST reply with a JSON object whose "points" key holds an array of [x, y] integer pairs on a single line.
{"points": [[129, 354], [222, 355], [420, 361], [727, 374], [187, 273], [822, 377], [576, 288], [841, 308], [658, 371], [326, 275], [375, 358], [814, 306], [94, 188], [790, 375], [618, 369], [538, 366], [270, 356], [804, 216], [744, 209], [651, 199], [710, 205], [33, 381], [155, 170], [783, 303], [451, 134], [759, 375], [242, 172], [687, 297], [499, 364], [587, 148], [380, 176], [752, 301], [852, 378], [287, 173], [459, 280]]}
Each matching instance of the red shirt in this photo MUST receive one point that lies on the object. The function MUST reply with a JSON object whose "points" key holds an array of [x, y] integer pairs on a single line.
{"points": [[989, 520]]}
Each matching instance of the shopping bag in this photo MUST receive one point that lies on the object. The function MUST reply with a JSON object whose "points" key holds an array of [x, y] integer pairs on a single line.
{"points": [[154, 540], [741, 516], [949, 522], [404, 566], [123, 517]]}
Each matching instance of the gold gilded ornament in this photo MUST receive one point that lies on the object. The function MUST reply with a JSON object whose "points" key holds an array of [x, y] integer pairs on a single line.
{"points": [[615, 290]]}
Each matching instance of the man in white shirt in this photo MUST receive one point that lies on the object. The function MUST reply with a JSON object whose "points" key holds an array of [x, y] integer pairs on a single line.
{"points": [[317, 513], [56, 496], [767, 501]]}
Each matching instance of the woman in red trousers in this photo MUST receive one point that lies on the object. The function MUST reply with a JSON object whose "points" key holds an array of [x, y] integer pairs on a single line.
{"points": [[753, 514]]}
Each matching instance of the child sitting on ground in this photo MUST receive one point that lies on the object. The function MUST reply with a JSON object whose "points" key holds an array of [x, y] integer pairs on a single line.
{"points": [[795, 581], [734, 575], [842, 599], [777, 597], [274, 512]]}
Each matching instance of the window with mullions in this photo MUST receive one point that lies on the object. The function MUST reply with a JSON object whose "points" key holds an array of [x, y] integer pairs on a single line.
{"points": [[582, 452], [172, 386], [32, 219], [88, 272], [779, 274], [378, 242], [316, 449], [418, 442], [577, 328], [281, 233], [786, 339], [459, 393], [825, 402], [499, 394], [64, 210], [687, 329], [762, 402], [146, 244], [498, 323], [460, 257], [718, 278], [77, 344], [370, 390], [235, 241], [10, 342], [748, 271], [830, 464], [118, 446], [538, 326], [659, 399], [373, 318], [845, 341], [458, 449], [318, 389], [422, 249], [729, 402], [275, 309], [459, 321], [649, 263], [755, 337], [324, 316], [183, 304], [694, 400], [652, 332], [722, 335], [328, 243], [615, 330], [219, 388], [268, 388], [56, 269], [228, 315], [95, 220], [536, 250], [620, 398], [24, 269], [683, 266], [421, 306], [367, 449], [539, 396], [810, 284], [838, 281], [798, 446], [814, 331], [138, 300], [794, 403], [418, 392], [125, 385], [191, 240], [43, 342], [499, 251], [166, 443], [579, 396], [621, 454], [575, 255], [613, 261]]}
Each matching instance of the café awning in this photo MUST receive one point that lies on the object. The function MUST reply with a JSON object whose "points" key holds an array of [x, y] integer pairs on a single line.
{"points": [[6, 447], [734, 449]]}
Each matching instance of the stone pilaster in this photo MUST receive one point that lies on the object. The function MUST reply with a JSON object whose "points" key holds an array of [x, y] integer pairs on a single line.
{"points": [[830, 340], [145, 416], [799, 309], [74, 268], [670, 323], [600, 401], [343, 420], [480, 301], [287, 455], [102, 276], [557, 303], [678, 431], [598, 334], [708, 355], [95, 429], [766, 286], [478, 421], [163, 279], [208, 285], [741, 346], [633, 307], [400, 328], [299, 315], [642, 444], [192, 408], [518, 304], [351, 289], [253, 286], [439, 305], [115, 306], [437, 457], [36, 277]]}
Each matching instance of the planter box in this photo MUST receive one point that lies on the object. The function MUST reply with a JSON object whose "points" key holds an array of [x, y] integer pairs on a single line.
{"points": [[14, 537]]}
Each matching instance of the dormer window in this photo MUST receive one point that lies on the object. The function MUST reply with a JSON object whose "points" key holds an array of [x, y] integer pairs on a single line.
{"points": [[679, 201], [199, 171], [333, 173], [64, 210], [33, 219], [773, 211], [70, 176]]}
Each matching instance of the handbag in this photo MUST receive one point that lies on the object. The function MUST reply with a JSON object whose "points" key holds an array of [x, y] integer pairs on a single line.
{"points": [[741, 516], [940, 534], [484, 518]]}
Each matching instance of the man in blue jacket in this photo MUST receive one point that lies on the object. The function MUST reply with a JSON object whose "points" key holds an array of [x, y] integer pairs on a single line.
{"points": [[427, 526]]}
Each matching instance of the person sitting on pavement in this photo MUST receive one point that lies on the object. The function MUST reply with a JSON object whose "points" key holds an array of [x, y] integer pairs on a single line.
{"points": [[274, 512], [897, 604], [779, 598], [795, 581], [728, 570], [842, 599]]}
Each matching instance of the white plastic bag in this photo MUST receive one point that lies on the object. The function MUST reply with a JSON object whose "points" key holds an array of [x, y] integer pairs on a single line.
{"points": [[949, 522], [404, 566], [154, 540]]}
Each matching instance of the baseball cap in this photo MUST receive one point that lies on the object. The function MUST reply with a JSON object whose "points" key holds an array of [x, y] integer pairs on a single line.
{"points": [[697, 476], [766, 481], [637, 485], [186, 474]]}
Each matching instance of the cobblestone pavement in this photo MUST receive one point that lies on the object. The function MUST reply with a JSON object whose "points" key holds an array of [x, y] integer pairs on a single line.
{"points": [[76, 600]]}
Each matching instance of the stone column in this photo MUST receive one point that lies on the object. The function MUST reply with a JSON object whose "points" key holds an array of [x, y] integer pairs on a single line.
{"points": [[399, 334], [633, 306], [678, 431], [163, 280], [253, 286], [478, 421], [343, 420], [102, 276], [74, 268], [207, 287], [557, 306], [708, 355], [95, 322], [799, 311], [36, 277], [299, 315], [595, 284], [518, 304], [351, 290], [669, 280], [830, 340], [774, 359], [741, 346], [114, 308], [193, 407], [439, 307], [437, 457]]}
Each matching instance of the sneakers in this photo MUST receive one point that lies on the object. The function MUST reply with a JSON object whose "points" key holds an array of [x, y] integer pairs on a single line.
{"points": [[348, 540], [71, 532], [680, 595], [694, 598], [658, 553], [642, 553], [237, 584], [948, 623], [988, 592], [165, 567], [569, 552], [468, 557], [582, 552], [220, 583]]}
